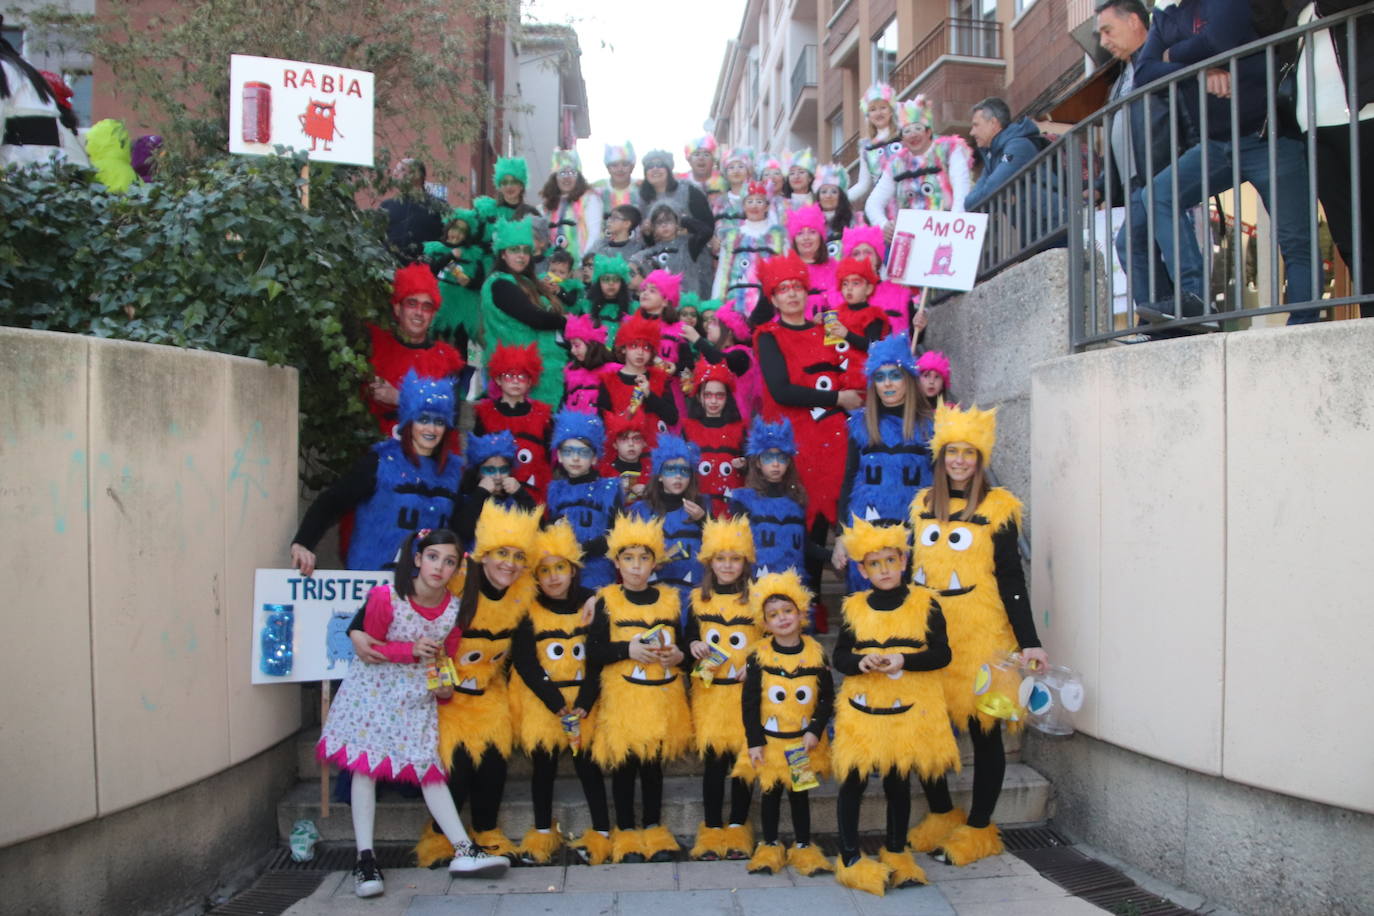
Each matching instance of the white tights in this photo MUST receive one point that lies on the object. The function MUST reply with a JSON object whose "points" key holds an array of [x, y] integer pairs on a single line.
{"points": [[437, 798]]}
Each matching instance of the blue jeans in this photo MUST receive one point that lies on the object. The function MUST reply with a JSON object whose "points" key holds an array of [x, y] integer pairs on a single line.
{"points": [[1288, 183]]}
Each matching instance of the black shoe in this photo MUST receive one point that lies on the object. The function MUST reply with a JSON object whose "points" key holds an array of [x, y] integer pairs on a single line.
{"points": [[1163, 310], [367, 877], [633, 858], [663, 855]]}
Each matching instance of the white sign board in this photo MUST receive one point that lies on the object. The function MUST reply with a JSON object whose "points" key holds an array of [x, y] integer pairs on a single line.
{"points": [[936, 248], [324, 110], [309, 617]]}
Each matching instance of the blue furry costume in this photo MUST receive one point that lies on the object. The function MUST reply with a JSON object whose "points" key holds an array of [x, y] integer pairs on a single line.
{"points": [[777, 520], [589, 502]]}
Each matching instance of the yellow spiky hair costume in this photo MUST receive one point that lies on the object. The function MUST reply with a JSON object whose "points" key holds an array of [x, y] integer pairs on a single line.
{"points": [[557, 540], [864, 538], [788, 584], [501, 527], [635, 532], [976, 427], [726, 535]]}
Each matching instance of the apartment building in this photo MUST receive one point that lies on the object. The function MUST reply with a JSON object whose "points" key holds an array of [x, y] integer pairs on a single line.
{"points": [[550, 110], [793, 75]]}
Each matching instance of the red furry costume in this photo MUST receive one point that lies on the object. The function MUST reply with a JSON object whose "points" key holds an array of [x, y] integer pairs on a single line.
{"points": [[531, 427], [857, 320], [392, 358], [648, 330], [720, 441]]}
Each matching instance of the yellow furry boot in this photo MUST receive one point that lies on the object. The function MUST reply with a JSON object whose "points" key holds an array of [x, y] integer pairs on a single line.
{"points": [[768, 859], [864, 875], [538, 848], [969, 844], [594, 847], [905, 871], [933, 828], [627, 845], [710, 844], [434, 849], [808, 860], [494, 842], [739, 840], [659, 844]]}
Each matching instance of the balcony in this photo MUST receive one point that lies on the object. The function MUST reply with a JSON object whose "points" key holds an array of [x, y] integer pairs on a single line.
{"points": [[803, 73], [957, 64], [802, 116]]}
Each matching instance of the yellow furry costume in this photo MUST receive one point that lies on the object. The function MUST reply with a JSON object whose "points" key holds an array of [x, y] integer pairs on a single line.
{"points": [[790, 687]]}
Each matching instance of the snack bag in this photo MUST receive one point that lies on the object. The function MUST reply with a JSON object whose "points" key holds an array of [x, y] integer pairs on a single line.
{"points": [[656, 636], [572, 727], [799, 767], [707, 667]]}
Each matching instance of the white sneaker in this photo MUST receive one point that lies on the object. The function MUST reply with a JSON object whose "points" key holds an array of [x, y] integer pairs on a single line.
{"points": [[472, 861], [367, 878]]}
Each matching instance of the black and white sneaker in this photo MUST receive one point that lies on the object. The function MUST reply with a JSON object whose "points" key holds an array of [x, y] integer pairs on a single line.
{"points": [[472, 861], [367, 877]]}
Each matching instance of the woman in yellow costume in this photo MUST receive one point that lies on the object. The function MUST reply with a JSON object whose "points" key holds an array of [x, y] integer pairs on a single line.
{"points": [[787, 700], [475, 734], [890, 715], [966, 549], [642, 715], [722, 622]]}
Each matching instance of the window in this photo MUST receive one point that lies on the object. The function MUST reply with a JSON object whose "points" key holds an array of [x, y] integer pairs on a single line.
{"points": [[837, 138], [80, 84], [885, 52], [15, 36], [974, 30]]}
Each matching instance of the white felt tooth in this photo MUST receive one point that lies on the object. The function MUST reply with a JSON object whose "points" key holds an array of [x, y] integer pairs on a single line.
{"points": [[920, 576], [871, 514], [469, 683], [638, 674], [734, 673], [771, 725], [895, 675], [817, 412], [805, 721], [861, 699], [896, 704], [954, 583], [578, 675]]}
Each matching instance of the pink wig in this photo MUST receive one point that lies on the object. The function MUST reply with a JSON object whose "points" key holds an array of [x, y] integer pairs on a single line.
{"points": [[735, 322], [581, 327], [668, 284], [808, 217], [858, 235], [937, 361]]}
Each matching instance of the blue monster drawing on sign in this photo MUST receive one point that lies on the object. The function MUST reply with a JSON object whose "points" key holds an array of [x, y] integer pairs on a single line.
{"points": [[337, 646]]}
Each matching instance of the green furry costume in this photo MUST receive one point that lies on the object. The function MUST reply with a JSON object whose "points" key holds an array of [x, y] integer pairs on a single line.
{"points": [[460, 306], [500, 328]]}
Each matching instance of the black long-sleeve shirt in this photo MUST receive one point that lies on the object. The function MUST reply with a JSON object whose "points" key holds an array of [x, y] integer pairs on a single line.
{"points": [[524, 656], [737, 361], [751, 700], [474, 498], [931, 656], [602, 651], [353, 489], [660, 405], [511, 299], [780, 385]]}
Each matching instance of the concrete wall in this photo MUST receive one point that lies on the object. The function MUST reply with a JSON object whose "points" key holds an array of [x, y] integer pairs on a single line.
{"points": [[141, 485]]}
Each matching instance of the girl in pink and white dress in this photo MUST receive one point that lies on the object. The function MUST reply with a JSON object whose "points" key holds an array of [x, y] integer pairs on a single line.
{"points": [[384, 723]]}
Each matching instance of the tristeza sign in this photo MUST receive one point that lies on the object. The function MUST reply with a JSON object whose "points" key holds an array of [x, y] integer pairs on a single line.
{"points": [[326, 111]]}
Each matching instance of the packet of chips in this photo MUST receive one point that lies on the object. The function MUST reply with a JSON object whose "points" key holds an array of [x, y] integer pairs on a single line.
{"points": [[441, 673], [656, 636], [799, 767], [706, 668], [572, 727]]}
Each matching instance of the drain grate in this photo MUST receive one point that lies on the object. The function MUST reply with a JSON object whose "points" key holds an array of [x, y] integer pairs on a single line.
{"points": [[1135, 901], [340, 857], [1084, 878], [1016, 839], [272, 894]]}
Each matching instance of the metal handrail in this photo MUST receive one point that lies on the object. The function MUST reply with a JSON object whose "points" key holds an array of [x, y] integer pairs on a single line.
{"points": [[1035, 210]]}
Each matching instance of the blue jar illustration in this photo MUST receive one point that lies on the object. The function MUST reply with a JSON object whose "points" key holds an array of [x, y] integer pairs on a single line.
{"points": [[278, 634]]}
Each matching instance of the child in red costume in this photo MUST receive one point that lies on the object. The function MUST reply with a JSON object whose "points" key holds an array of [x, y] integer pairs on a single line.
{"points": [[629, 439], [514, 371], [862, 322], [636, 343], [714, 425]]}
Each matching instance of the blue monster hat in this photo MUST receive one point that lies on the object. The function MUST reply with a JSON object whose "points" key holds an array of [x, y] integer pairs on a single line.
{"points": [[895, 349], [574, 424], [480, 448], [764, 436], [425, 395], [674, 448]]}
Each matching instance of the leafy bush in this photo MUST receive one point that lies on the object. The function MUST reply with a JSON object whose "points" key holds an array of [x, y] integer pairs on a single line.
{"points": [[222, 258]]}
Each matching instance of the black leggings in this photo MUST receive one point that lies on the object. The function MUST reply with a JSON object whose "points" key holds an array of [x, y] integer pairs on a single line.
{"points": [[483, 782], [716, 768], [770, 809], [897, 788], [650, 775], [545, 765], [989, 766], [815, 562]]}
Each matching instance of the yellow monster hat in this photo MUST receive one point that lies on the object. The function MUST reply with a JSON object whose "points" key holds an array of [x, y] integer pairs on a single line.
{"points": [[788, 584], [726, 535], [976, 427], [500, 527], [557, 540], [635, 532], [865, 538]]}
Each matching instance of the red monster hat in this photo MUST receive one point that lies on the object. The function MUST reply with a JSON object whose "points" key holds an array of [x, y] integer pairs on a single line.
{"points": [[508, 358], [416, 278], [856, 267], [758, 189], [775, 271], [637, 327], [639, 422], [712, 372]]}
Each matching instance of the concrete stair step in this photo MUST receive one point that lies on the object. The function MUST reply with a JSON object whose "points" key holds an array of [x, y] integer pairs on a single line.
{"points": [[1025, 798]]}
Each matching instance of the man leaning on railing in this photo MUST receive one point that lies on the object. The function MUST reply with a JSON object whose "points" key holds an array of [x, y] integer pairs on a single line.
{"points": [[1188, 33], [1005, 147]]}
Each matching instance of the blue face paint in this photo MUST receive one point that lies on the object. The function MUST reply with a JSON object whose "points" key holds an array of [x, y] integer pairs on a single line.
{"points": [[773, 457], [431, 419], [887, 375], [675, 470], [577, 451], [495, 470]]}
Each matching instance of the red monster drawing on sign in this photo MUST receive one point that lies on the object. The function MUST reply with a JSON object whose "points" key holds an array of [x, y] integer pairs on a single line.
{"points": [[942, 265], [318, 124]]}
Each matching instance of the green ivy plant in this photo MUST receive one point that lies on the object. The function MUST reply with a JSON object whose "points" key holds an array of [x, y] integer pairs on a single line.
{"points": [[223, 258]]}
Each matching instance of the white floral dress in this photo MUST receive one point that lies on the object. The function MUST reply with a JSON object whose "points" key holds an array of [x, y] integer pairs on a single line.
{"points": [[384, 721]]}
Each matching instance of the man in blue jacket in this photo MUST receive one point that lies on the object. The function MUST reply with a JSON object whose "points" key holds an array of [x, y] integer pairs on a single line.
{"points": [[1004, 148], [1188, 33]]}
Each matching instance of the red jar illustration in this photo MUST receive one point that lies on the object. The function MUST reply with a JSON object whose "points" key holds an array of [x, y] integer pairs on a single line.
{"points": [[901, 251], [257, 113]]}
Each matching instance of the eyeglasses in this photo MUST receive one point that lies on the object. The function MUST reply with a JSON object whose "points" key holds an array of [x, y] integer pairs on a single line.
{"points": [[511, 555], [513, 377], [576, 451], [790, 286], [553, 568], [495, 470], [675, 470], [430, 419], [520, 249], [883, 376], [422, 305], [567, 173], [774, 457]]}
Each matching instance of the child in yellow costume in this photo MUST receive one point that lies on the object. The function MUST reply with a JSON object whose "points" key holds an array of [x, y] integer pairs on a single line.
{"points": [[475, 735], [553, 694], [722, 621], [966, 537], [890, 715], [642, 714], [787, 700]]}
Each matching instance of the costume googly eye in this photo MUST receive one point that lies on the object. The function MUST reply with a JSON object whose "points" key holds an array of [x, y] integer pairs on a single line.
{"points": [[524, 456], [960, 539], [743, 261], [804, 695], [470, 658], [842, 347], [777, 693], [824, 383], [579, 651], [662, 258], [727, 468], [929, 188], [662, 427], [895, 146], [705, 467], [713, 636], [738, 640], [554, 651], [834, 249], [930, 535]]}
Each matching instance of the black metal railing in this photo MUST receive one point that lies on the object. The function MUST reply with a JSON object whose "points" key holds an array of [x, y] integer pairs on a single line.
{"points": [[803, 73], [1066, 196], [963, 37]]}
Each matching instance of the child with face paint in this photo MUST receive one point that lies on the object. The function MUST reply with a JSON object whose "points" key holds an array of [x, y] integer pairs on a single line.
{"points": [[743, 247], [643, 719], [587, 360], [629, 439], [714, 426], [580, 494], [636, 344], [514, 372], [787, 701], [858, 323], [490, 477], [672, 496], [772, 499], [865, 243]]}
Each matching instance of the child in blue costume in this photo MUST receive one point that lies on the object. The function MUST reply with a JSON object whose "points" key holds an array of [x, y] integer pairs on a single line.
{"points": [[773, 499], [579, 494], [889, 461], [672, 496], [490, 477]]}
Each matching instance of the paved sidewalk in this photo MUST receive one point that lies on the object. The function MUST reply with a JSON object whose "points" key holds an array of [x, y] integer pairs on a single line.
{"points": [[1002, 886]]}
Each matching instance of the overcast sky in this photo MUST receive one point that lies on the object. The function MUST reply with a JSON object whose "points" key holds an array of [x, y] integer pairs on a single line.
{"points": [[650, 69]]}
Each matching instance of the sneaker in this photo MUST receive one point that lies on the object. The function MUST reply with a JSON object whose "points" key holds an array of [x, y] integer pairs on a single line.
{"points": [[1163, 310], [1137, 338], [367, 877], [472, 861]]}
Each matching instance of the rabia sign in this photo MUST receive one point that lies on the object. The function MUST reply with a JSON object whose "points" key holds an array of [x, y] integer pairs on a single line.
{"points": [[324, 110]]}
